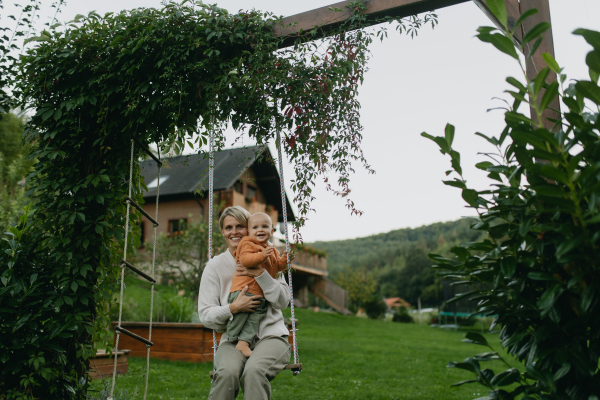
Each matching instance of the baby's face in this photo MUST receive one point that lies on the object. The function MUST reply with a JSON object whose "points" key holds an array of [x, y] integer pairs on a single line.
{"points": [[260, 227]]}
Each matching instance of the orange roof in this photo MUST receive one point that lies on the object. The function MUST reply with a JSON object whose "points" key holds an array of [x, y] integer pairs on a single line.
{"points": [[396, 302]]}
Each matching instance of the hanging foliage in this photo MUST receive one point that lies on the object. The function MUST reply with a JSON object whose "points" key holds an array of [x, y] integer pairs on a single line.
{"points": [[156, 75]]}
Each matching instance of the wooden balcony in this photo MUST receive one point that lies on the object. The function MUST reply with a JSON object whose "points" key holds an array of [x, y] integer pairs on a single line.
{"points": [[233, 198]]}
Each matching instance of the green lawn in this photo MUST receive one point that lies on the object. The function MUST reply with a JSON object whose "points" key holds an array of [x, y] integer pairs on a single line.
{"points": [[343, 357]]}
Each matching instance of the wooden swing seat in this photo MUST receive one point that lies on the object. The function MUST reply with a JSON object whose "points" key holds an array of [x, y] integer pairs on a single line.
{"points": [[293, 367]]}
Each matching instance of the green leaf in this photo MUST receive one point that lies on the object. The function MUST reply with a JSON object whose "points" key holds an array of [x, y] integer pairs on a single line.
{"points": [[535, 32], [456, 183], [589, 90], [492, 139], [498, 8], [506, 378], [549, 95], [540, 276], [470, 196], [593, 60], [484, 165], [463, 382], [548, 299], [468, 364], [540, 80], [475, 338], [524, 16], [551, 62], [508, 266], [566, 246], [47, 114], [449, 133], [444, 147], [533, 48], [99, 228], [32, 278], [562, 371], [516, 83], [74, 286], [500, 42], [592, 37]]}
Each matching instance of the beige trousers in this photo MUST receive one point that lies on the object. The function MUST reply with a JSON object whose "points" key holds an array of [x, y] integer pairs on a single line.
{"points": [[232, 370]]}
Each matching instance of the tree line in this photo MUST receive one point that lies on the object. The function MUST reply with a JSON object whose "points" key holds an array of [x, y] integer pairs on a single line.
{"points": [[395, 263]]}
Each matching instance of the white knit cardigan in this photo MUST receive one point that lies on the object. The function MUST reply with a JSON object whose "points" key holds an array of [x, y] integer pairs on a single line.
{"points": [[214, 289]]}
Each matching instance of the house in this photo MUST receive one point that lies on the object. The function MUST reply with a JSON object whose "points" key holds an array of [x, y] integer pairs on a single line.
{"points": [[245, 177], [242, 177], [395, 302]]}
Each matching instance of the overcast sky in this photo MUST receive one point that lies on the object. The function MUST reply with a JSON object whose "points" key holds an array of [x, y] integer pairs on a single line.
{"points": [[413, 85]]}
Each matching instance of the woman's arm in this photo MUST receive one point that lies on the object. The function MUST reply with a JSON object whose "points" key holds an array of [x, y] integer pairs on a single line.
{"points": [[277, 291], [212, 314]]}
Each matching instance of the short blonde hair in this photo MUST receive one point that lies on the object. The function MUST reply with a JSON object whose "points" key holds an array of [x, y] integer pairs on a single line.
{"points": [[237, 212]]}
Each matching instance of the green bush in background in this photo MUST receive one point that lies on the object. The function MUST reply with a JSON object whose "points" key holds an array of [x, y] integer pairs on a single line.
{"points": [[538, 269]]}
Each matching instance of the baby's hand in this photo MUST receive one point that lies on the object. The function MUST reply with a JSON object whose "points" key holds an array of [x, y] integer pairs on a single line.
{"points": [[268, 251], [285, 255]]}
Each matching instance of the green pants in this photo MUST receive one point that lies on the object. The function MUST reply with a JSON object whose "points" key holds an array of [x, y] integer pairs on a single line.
{"points": [[244, 326], [232, 370]]}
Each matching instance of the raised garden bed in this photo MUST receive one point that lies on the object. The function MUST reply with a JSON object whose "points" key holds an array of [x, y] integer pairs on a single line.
{"points": [[172, 341], [102, 365]]}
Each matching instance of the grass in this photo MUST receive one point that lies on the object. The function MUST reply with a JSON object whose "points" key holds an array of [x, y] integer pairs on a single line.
{"points": [[343, 357]]}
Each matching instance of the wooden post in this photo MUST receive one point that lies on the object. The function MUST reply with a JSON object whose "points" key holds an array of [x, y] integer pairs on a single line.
{"points": [[536, 63]]}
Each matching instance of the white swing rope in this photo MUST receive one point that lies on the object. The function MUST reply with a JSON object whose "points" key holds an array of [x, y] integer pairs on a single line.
{"points": [[287, 248], [211, 174], [116, 350]]}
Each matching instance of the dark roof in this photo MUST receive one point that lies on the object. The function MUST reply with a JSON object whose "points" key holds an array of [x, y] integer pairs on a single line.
{"points": [[189, 173]]}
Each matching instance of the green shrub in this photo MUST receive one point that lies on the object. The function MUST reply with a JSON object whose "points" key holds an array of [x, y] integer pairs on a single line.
{"points": [[401, 315], [375, 308], [538, 269]]}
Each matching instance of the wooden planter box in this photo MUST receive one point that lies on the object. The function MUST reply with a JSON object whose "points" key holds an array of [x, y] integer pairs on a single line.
{"points": [[102, 365], [172, 341]]}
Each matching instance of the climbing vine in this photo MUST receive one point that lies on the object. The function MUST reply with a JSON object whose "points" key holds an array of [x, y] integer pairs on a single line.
{"points": [[167, 76]]}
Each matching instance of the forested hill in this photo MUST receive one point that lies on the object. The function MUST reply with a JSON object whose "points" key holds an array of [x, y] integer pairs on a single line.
{"points": [[398, 260], [376, 251]]}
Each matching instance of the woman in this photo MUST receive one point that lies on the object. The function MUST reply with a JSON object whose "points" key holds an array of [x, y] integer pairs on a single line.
{"points": [[271, 351]]}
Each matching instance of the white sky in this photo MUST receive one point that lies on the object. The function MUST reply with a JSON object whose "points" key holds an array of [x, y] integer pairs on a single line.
{"points": [[414, 85]]}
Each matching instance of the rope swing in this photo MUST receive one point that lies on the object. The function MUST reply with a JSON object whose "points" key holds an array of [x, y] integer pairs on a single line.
{"points": [[296, 367], [124, 263]]}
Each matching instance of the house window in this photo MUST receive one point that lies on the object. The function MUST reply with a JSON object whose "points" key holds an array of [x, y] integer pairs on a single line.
{"points": [[238, 186], [177, 226], [251, 193]]}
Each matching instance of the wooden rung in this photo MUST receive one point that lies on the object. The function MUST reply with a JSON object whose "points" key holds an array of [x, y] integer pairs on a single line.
{"points": [[147, 150], [133, 335], [137, 271], [293, 367], [140, 209]]}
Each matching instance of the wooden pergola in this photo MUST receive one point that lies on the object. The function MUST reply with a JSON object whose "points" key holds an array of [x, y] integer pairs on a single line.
{"points": [[326, 20]]}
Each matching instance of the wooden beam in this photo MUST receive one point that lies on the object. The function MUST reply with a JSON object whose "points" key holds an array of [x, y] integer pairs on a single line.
{"points": [[327, 20], [536, 63]]}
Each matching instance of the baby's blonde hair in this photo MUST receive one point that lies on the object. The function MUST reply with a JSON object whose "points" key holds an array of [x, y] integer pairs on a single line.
{"points": [[237, 212]]}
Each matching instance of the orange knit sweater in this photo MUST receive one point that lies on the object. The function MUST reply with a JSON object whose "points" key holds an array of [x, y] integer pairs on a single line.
{"points": [[250, 254]]}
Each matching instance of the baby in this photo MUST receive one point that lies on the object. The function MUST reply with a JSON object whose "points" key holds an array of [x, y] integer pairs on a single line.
{"points": [[253, 251]]}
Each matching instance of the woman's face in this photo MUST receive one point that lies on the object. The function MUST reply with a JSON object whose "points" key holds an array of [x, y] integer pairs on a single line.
{"points": [[233, 231]]}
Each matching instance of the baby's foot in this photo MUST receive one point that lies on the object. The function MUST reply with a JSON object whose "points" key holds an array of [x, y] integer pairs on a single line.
{"points": [[244, 348]]}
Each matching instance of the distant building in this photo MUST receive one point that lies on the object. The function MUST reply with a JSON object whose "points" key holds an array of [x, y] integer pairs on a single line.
{"points": [[395, 302], [244, 177]]}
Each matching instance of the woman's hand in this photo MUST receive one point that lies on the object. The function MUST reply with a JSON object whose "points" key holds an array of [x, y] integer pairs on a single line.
{"points": [[244, 303], [252, 272]]}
